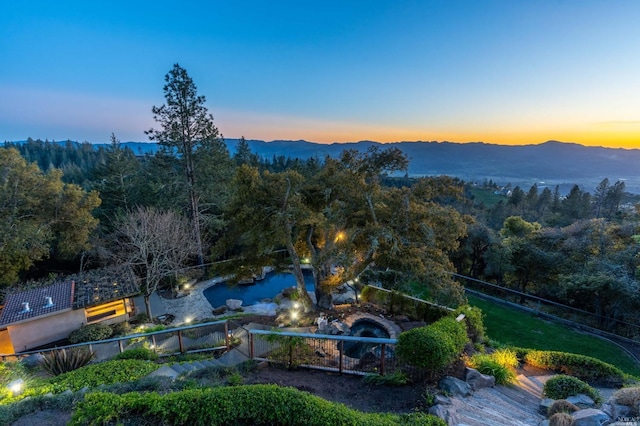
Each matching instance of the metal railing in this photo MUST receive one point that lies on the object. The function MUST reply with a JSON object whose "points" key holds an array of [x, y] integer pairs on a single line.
{"points": [[211, 336], [342, 354]]}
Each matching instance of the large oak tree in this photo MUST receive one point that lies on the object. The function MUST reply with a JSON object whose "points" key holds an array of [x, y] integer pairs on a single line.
{"points": [[344, 221]]}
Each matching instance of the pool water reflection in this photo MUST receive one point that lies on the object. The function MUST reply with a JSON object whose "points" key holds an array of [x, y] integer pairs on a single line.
{"points": [[272, 284]]}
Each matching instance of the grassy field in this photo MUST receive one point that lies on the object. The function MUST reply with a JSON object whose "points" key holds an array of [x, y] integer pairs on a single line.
{"points": [[516, 328], [486, 196]]}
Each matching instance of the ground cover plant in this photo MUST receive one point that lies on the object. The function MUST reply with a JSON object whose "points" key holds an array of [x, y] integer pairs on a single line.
{"points": [[240, 405], [103, 373], [516, 328]]}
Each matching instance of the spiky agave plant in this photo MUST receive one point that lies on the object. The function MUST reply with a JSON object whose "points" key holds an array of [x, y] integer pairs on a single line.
{"points": [[64, 360]]}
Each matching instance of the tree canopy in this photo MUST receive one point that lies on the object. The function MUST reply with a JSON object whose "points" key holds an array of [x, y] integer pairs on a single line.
{"points": [[41, 216]]}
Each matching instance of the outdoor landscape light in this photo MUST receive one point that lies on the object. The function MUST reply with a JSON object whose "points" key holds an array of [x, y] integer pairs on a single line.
{"points": [[16, 386]]}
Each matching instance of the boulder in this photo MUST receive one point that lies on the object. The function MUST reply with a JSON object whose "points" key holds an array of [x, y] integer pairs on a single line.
{"points": [[343, 295], [454, 386], [32, 360], [582, 401], [477, 380], [442, 400], [220, 310], [590, 417], [336, 327], [234, 304], [446, 414], [616, 411], [545, 405]]}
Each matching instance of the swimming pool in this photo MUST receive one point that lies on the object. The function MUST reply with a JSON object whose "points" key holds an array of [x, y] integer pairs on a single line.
{"points": [[272, 284]]}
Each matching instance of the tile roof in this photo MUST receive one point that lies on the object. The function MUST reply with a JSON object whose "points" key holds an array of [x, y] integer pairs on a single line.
{"points": [[103, 285], [61, 294], [76, 291]]}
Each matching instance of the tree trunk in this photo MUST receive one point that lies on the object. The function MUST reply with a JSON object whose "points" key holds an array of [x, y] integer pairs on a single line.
{"points": [[305, 299], [324, 300], [147, 304]]}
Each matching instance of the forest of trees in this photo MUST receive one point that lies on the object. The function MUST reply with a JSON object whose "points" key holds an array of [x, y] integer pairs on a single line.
{"points": [[73, 206]]}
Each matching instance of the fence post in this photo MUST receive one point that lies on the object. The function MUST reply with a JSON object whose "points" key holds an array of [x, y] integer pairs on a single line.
{"points": [[155, 345], [120, 346], [226, 335], [251, 351], [180, 341], [290, 351], [382, 356], [341, 355]]}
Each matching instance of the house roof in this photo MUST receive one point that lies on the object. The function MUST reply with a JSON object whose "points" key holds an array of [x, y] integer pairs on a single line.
{"points": [[103, 285], [77, 291], [61, 294]]}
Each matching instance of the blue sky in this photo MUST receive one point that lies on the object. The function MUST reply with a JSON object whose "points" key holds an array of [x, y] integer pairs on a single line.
{"points": [[509, 72]]}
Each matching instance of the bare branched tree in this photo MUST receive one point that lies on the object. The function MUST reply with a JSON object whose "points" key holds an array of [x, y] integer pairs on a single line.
{"points": [[155, 244]]}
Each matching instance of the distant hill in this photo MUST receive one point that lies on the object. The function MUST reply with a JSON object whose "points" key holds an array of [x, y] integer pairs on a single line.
{"points": [[550, 163]]}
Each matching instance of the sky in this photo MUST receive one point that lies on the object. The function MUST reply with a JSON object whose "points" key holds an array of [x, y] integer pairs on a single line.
{"points": [[504, 71]]}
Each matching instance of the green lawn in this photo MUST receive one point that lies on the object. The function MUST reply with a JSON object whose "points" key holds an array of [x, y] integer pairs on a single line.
{"points": [[516, 328], [486, 196]]}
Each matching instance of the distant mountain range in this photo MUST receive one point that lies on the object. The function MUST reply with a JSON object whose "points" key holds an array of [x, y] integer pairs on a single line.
{"points": [[550, 163]]}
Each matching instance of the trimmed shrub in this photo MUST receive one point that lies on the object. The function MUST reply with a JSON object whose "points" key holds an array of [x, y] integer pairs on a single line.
{"points": [[562, 387], [239, 405], [561, 419], [432, 347], [138, 353], [65, 360], [562, 406], [90, 333], [474, 322], [104, 373], [581, 366]]}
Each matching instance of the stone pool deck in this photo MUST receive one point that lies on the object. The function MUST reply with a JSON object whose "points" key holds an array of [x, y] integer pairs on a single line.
{"points": [[195, 307]]}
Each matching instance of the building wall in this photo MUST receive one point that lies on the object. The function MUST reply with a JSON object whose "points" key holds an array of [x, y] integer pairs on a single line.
{"points": [[6, 347], [45, 330]]}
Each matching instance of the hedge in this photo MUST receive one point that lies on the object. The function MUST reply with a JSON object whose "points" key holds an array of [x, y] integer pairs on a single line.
{"points": [[90, 333], [238, 405], [583, 367], [432, 347]]}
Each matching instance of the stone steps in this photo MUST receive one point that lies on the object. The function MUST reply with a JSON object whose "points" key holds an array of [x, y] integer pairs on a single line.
{"points": [[515, 405], [229, 359], [490, 407]]}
